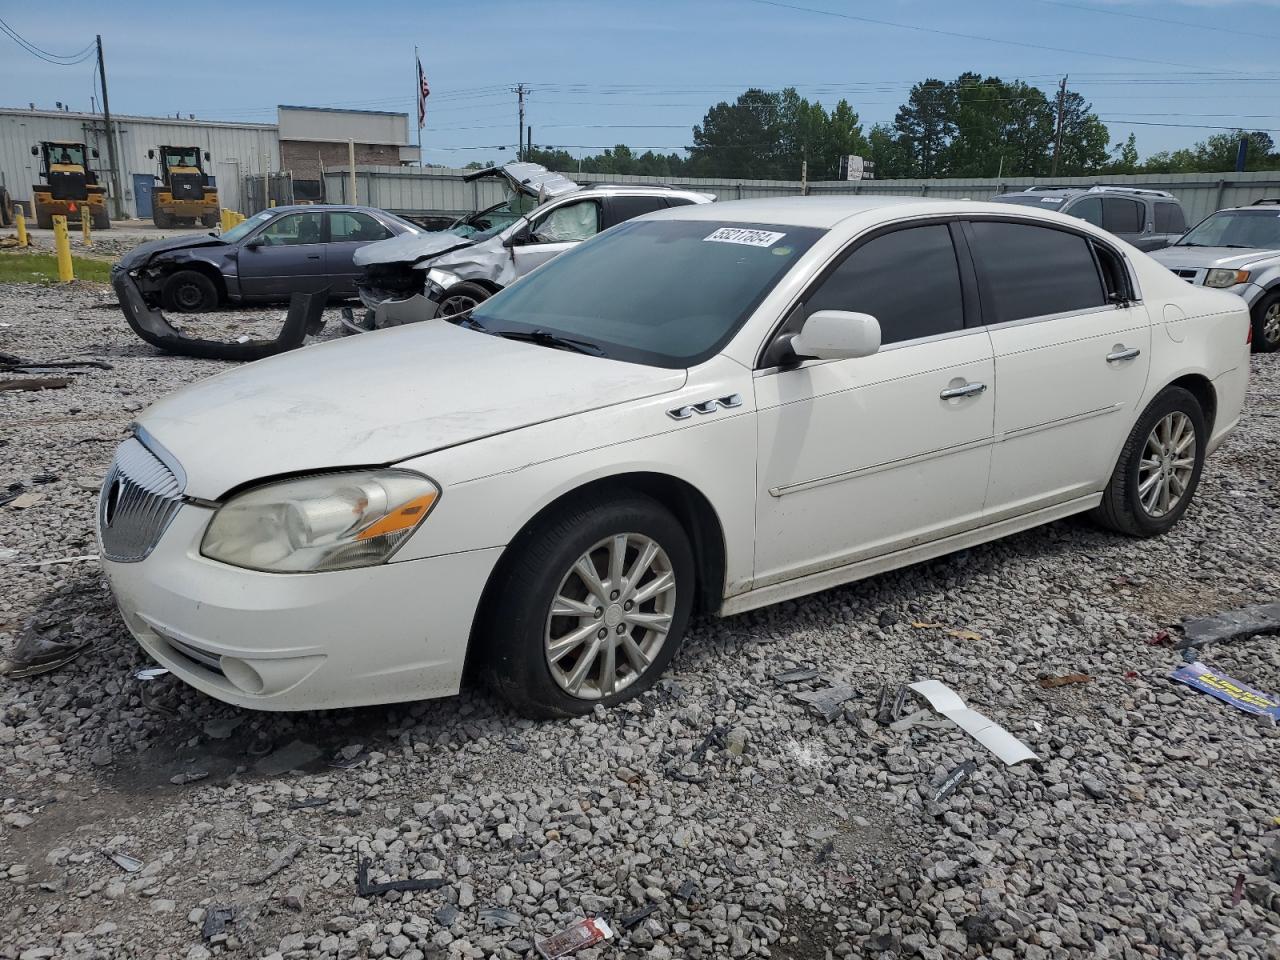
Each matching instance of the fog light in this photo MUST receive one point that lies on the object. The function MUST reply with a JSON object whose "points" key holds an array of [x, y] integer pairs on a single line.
{"points": [[242, 674]]}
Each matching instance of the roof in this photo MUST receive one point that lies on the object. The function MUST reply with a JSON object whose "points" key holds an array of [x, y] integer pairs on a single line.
{"points": [[133, 118], [822, 212], [376, 113]]}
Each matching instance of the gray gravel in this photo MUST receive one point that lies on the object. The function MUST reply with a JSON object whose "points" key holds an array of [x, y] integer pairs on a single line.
{"points": [[792, 836]]}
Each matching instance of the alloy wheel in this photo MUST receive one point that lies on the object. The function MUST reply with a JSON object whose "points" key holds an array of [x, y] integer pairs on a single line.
{"points": [[610, 616], [452, 306], [1167, 464], [1271, 324]]}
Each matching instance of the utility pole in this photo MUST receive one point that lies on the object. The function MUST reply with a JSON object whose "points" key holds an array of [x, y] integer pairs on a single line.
{"points": [[520, 139], [528, 140], [1057, 136], [116, 196]]}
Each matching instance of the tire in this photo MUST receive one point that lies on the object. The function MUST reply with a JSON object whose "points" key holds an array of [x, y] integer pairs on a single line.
{"points": [[1128, 509], [44, 219], [542, 564], [462, 298], [161, 219], [189, 291], [209, 220], [6, 208], [100, 219], [1266, 323]]}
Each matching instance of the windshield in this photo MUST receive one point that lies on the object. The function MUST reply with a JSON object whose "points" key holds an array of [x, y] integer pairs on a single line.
{"points": [[66, 154], [182, 157], [241, 229], [669, 293], [1236, 228], [1028, 199], [488, 223]]}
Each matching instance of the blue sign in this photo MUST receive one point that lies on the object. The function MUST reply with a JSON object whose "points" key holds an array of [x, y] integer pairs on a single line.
{"points": [[1209, 681]]}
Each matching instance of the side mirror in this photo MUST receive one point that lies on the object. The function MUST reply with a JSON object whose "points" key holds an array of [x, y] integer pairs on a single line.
{"points": [[253, 244], [836, 335], [151, 154], [206, 154], [35, 151], [94, 152], [519, 237]]}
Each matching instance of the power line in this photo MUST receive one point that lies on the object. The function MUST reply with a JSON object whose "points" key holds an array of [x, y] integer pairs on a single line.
{"points": [[1189, 126], [967, 36], [61, 60], [1252, 34]]}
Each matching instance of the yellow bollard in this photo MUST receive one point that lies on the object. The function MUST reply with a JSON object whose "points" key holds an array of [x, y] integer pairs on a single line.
{"points": [[271, 203], [62, 244], [222, 219], [86, 234], [21, 223]]}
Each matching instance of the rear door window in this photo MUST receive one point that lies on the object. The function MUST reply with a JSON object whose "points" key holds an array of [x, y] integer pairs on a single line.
{"points": [[568, 223], [352, 226], [1033, 271], [1169, 218], [621, 209], [1090, 209], [909, 280], [1122, 216]]}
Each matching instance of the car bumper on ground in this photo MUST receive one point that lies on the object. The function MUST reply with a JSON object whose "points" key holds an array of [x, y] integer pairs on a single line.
{"points": [[392, 632]]}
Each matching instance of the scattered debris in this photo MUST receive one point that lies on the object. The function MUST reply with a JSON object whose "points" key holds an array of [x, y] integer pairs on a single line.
{"points": [[826, 852], [987, 732], [9, 363], [150, 673], [1260, 618], [366, 889], [1049, 683], [827, 703], [964, 634], [216, 919], [352, 755], [631, 919], [1207, 680], [499, 917], [24, 500], [953, 780], [220, 728], [798, 675], [287, 856], [1161, 639], [583, 933], [125, 862], [294, 754], [716, 737], [181, 779], [36, 383], [890, 707], [1238, 890], [926, 625], [12, 492], [38, 653], [310, 802], [82, 558], [686, 891]]}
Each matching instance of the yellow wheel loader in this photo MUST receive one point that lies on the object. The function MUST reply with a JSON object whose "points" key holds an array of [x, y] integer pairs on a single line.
{"points": [[70, 188], [183, 192]]}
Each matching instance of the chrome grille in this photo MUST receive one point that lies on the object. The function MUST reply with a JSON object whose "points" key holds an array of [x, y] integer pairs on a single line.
{"points": [[140, 495]]}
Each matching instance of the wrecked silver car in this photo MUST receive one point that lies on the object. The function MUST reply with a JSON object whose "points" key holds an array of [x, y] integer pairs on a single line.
{"points": [[442, 273]]}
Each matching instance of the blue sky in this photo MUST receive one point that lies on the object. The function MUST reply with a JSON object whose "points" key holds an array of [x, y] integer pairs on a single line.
{"points": [[607, 72]]}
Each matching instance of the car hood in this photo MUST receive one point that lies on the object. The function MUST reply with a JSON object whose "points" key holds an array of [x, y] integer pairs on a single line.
{"points": [[145, 251], [380, 398], [1201, 257], [409, 247]]}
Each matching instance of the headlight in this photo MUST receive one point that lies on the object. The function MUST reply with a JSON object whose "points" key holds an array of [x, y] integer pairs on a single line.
{"points": [[329, 522], [1225, 278], [442, 278]]}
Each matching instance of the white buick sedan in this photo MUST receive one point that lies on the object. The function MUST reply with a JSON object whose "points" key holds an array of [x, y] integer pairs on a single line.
{"points": [[711, 408]]}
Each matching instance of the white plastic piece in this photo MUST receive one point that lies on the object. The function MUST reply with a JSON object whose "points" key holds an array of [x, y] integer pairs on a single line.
{"points": [[986, 731]]}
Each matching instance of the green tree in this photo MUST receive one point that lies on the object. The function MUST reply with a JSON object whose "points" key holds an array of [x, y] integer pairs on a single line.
{"points": [[1085, 139], [1027, 131], [1126, 156], [739, 139], [1217, 154], [980, 108], [925, 124], [890, 152]]}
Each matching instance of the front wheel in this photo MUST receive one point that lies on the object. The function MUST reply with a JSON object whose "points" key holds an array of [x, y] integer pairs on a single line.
{"points": [[189, 291], [1159, 467], [1266, 324], [461, 298], [590, 607]]}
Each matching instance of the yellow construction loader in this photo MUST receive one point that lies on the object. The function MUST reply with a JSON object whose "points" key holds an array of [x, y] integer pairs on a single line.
{"points": [[183, 192], [70, 189]]}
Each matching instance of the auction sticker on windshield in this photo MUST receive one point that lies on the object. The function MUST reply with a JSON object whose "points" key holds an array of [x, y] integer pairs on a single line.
{"points": [[752, 238]]}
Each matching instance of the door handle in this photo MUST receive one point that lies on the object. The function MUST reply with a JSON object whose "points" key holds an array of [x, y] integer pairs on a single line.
{"points": [[313, 256], [1123, 353], [964, 390]]}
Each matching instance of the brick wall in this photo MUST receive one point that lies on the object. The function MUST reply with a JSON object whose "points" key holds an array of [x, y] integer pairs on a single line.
{"points": [[304, 157]]}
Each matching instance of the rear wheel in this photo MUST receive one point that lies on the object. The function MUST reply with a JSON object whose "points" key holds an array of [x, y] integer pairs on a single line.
{"points": [[161, 219], [189, 291], [461, 298], [591, 606], [100, 219], [1266, 324], [209, 220], [44, 218], [1159, 468]]}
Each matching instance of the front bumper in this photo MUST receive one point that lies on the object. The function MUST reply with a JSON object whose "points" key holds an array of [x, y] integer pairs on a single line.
{"points": [[383, 312], [382, 634]]}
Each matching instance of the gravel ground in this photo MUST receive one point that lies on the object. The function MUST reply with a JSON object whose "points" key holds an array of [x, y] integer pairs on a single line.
{"points": [[751, 826]]}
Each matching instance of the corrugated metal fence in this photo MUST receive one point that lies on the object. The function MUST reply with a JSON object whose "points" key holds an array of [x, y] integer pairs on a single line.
{"points": [[442, 191]]}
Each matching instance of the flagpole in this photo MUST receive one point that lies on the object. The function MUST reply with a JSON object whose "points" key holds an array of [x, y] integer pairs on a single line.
{"points": [[417, 98]]}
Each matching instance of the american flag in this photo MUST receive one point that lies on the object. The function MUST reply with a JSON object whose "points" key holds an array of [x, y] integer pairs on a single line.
{"points": [[424, 91]]}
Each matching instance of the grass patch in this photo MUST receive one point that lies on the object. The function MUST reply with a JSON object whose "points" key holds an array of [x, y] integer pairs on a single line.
{"points": [[18, 267]]}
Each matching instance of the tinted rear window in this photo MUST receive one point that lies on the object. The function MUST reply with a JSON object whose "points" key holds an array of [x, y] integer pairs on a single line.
{"points": [[1033, 271], [1122, 216], [622, 209], [1169, 218]]}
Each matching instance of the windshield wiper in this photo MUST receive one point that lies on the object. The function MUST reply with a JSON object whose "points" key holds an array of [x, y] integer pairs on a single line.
{"points": [[544, 339]]}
